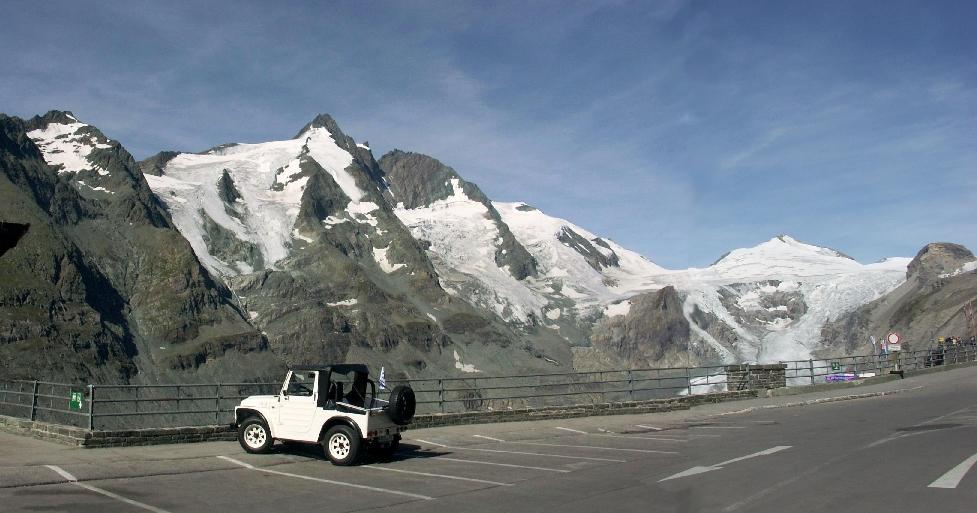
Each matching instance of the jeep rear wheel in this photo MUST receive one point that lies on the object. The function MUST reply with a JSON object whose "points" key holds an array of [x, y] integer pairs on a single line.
{"points": [[254, 436], [341, 445], [402, 405]]}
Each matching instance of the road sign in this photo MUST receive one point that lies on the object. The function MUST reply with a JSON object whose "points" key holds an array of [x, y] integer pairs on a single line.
{"points": [[895, 342], [75, 401], [835, 366]]}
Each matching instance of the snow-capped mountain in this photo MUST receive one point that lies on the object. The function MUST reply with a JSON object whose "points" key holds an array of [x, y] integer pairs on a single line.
{"points": [[778, 295], [240, 207], [306, 233], [308, 249]]}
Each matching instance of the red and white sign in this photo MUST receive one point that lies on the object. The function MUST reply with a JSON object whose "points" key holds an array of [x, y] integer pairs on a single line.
{"points": [[895, 343]]}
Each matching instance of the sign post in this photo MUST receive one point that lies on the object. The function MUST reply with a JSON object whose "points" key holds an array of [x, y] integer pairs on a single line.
{"points": [[75, 401], [894, 343]]}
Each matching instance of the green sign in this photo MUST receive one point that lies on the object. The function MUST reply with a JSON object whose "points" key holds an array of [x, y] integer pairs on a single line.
{"points": [[75, 402], [835, 366]]}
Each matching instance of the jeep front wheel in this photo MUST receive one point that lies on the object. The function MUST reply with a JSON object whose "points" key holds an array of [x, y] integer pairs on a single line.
{"points": [[254, 436], [341, 445]]}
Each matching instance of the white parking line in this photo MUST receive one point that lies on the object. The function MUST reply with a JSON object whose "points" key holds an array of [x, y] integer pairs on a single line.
{"points": [[717, 427], [653, 428], [572, 430], [701, 470], [512, 465], [73, 480], [442, 476], [595, 447], [327, 481], [661, 438], [591, 458], [488, 438], [953, 477]]}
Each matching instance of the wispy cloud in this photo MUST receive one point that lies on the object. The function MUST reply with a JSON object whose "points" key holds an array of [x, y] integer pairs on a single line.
{"points": [[678, 128]]}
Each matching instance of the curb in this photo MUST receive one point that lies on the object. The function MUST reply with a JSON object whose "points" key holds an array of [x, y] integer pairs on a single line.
{"points": [[822, 387], [821, 400]]}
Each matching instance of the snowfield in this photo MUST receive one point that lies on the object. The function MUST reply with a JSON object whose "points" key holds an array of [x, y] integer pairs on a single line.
{"points": [[830, 283], [570, 288], [464, 240], [268, 178]]}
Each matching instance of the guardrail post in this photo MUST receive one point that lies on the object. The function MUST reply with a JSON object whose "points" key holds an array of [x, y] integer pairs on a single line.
{"points": [[34, 401], [441, 394], [217, 411], [630, 386], [810, 367], [477, 394], [91, 407], [603, 387], [688, 378]]}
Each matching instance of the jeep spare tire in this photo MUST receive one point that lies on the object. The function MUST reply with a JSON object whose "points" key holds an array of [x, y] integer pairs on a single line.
{"points": [[402, 405]]}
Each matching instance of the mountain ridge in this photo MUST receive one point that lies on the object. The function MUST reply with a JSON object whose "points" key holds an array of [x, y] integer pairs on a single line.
{"points": [[324, 253]]}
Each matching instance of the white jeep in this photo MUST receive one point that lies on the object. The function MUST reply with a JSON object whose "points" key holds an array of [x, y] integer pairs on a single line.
{"points": [[330, 405]]}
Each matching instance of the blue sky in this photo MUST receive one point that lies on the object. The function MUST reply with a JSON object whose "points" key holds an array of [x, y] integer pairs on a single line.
{"points": [[679, 129]]}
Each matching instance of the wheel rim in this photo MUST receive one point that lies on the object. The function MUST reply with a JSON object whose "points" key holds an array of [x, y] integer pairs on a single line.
{"points": [[339, 446], [255, 436]]}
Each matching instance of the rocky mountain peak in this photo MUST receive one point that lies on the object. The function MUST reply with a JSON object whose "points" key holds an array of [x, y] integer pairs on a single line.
{"points": [[64, 117], [938, 258], [654, 327], [322, 121], [418, 180], [157, 163]]}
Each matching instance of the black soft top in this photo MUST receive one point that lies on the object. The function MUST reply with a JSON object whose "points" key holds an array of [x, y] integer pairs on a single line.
{"points": [[341, 368]]}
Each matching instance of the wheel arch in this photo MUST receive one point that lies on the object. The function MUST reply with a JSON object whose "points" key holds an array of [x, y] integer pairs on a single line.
{"points": [[339, 421], [242, 414]]}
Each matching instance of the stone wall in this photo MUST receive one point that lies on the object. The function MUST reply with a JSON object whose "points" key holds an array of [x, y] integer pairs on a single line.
{"points": [[85, 438], [120, 438], [43, 430], [756, 377], [583, 410]]}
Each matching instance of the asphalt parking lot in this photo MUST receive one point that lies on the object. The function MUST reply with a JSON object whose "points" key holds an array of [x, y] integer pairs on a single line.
{"points": [[906, 451]]}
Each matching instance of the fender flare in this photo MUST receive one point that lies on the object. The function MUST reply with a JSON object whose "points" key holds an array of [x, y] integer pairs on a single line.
{"points": [[242, 413], [334, 421]]}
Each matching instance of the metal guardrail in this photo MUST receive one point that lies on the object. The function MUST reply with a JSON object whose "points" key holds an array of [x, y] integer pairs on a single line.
{"points": [[151, 406]]}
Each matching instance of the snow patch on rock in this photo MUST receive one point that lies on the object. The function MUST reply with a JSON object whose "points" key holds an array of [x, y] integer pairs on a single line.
{"points": [[464, 367], [380, 255], [67, 147]]}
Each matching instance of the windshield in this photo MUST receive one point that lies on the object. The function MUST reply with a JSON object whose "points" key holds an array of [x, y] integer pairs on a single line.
{"points": [[301, 384]]}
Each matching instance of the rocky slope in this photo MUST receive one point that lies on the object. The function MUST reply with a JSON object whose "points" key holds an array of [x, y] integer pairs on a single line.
{"points": [[941, 281], [101, 285]]}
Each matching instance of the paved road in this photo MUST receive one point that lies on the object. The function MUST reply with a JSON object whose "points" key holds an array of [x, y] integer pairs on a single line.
{"points": [[908, 451]]}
